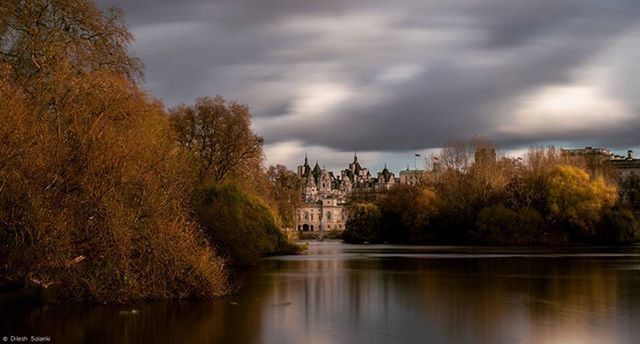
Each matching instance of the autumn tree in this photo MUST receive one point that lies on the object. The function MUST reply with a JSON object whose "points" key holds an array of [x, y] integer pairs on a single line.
{"points": [[285, 192], [93, 198], [217, 136], [39, 36], [577, 199], [363, 224], [406, 211]]}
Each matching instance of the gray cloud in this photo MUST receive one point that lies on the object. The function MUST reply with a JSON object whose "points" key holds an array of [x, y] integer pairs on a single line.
{"points": [[404, 75]]}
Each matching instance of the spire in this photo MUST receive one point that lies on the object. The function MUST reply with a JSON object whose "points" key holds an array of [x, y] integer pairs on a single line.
{"points": [[355, 156], [306, 160]]}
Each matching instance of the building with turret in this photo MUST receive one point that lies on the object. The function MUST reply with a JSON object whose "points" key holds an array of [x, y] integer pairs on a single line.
{"points": [[325, 195]]}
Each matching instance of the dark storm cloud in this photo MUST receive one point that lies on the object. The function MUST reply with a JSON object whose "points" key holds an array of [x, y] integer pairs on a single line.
{"points": [[402, 75]]}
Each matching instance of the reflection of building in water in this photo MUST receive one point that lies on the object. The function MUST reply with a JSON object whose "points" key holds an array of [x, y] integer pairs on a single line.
{"points": [[626, 166]]}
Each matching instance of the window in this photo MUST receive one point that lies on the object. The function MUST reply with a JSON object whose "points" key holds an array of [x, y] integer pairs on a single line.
{"points": [[329, 215], [306, 215]]}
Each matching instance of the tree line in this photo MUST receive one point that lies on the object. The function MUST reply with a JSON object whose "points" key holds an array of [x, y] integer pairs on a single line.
{"points": [[105, 195], [480, 197]]}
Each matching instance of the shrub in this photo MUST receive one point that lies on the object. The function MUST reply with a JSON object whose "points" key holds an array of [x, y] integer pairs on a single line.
{"points": [[630, 191], [363, 224], [619, 227], [504, 226], [240, 225]]}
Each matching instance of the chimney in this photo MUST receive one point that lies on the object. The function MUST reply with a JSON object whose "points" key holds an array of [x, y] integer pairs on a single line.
{"points": [[630, 154]]}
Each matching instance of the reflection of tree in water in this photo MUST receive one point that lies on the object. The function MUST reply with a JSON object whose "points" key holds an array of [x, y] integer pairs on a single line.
{"points": [[371, 298], [186, 321], [463, 299]]}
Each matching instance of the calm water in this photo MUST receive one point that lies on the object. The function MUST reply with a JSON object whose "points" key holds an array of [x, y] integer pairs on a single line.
{"points": [[339, 293]]}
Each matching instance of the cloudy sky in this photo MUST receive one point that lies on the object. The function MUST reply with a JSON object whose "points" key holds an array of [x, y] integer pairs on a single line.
{"points": [[394, 78]]}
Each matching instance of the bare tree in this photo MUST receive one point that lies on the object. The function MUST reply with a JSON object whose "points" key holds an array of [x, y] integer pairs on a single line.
{"points": [[217, 135]]}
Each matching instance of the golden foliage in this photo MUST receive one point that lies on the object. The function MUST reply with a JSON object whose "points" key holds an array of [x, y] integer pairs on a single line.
{"points": [[97, 176], [574, 196], [94, 193]]}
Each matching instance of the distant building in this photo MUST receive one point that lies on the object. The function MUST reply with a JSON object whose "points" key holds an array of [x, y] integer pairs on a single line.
{"points": [[412, 177], [325, 196], [485, 155], [323, 215], [589, 151], [625, 166]]}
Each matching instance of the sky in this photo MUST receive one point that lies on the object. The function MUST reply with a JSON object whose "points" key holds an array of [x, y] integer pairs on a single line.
{"points": [[393, 78]]}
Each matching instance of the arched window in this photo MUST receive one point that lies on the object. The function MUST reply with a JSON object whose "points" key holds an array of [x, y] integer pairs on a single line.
{"points": [[306, 215], [329, 215]]}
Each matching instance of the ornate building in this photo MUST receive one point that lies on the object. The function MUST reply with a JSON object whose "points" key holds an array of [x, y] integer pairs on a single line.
{"points": [[626, 166], [325, 196]]}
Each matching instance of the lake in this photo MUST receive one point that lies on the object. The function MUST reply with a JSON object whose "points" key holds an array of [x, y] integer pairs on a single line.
{"points": [[340, 293]]}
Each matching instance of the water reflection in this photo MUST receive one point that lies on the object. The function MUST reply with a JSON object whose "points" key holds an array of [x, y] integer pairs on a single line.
{"points": [[346, 294]]}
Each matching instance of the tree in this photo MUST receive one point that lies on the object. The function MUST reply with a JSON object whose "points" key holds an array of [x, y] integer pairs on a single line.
{"points": [[37, 35], [406, 211], [363, 224], [577, 200], [630, 192], [93, 194], [285, 193], [217, 135]]}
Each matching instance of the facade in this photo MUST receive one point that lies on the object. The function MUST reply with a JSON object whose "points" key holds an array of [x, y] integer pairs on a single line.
{"points": [[324, 215], [411, 177], [626, 166], [325, 195], [589, 151]]}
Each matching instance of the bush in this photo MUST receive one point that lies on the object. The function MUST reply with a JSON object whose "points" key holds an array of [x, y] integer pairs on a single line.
{"points": [[503, 226], [363, 224], [93, 196], [630, 191], [619, 227], [240, 225]]}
